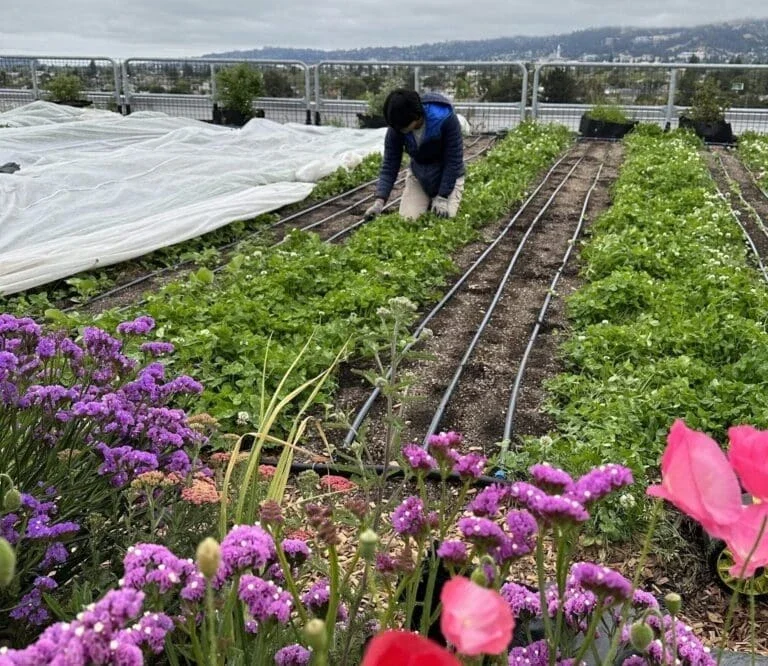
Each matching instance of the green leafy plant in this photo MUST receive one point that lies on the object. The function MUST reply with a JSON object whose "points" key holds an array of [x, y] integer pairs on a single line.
{"points": [[238, 86], [609, 113], [64, 88], [709, 102], [670, 324]]}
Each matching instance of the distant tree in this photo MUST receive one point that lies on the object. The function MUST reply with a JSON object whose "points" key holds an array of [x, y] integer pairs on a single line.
{"points": [[559, 86], [187, 71], [504, 88], [277, 84], [92, 70]]}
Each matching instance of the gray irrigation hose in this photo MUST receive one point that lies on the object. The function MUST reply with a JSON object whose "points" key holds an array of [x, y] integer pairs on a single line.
{"points": [[366, 408], [489, 313], [508, 425]]}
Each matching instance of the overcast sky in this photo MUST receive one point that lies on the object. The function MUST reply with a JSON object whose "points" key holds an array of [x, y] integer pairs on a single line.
{"points": [[124, 28]]}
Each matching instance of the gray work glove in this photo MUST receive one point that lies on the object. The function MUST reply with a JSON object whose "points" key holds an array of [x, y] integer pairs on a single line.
{"points": [[440, 207], [375, 209]]}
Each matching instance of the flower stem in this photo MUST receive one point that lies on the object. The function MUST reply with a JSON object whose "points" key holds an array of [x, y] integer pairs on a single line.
{"points": [[543, 596], [735, 597], [210, 612], [608, 661], [589, 636]]}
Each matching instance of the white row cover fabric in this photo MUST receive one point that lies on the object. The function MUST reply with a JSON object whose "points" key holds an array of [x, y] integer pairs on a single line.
{"points": [[96, 188]]}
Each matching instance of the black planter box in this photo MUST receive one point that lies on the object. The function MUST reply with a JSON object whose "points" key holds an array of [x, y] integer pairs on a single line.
{"points": [[371, 122], [77, 103], [601, 129], [232, 117], [713, 131]]}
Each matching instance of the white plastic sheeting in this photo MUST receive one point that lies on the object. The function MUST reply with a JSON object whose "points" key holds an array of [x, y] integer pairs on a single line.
{"points": [[96, 188]]}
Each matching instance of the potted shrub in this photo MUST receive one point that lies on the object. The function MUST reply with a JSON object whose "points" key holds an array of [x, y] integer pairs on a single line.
{"points": [[707, 114], [606, 121], [374, 118], [236, 88], [66, 89]]}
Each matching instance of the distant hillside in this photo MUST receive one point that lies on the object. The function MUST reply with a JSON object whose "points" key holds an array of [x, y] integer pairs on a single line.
{"points": [[719, 42]]}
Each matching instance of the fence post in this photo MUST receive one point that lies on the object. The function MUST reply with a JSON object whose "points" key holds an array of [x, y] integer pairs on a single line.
{"points": [[116, 72], [307, 94], [318, 95], [126, 89], [35, 89], [535, 92], [671, 98], [524, 93], [417, 79]]}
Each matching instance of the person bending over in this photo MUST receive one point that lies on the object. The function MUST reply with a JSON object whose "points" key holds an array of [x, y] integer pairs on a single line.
{"points": [[425, 127]]}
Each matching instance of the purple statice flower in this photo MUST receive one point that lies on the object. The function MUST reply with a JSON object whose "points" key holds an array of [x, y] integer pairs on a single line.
{"points": [[442, 445], [385, 564], [469, 466], [147, 564], [483, 533], [265, 600], [181, 385], [522, 601], [489, 501], [643, 599], [601, 580], [97, 636], [194, 590], [535, 654], [46, 347], [453, 552], [39, 528], [549, 508], [8, 528], [578, 605], [245, 547], [49, 396], [418, 459], [316, 599], [521, 539], [56, 553], [296, 551], [634, 660], [139, 326], [599, 482], [149, 632], [100, 344], [292, 655], [157, 348], [690, 650], [124, 463], [32, 609], [275, 572], [409, 517], [551, 479]]}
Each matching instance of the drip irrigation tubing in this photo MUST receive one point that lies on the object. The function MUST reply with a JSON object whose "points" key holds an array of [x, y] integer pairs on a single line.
{"points": [[368, 405], [744, 231], [440, 411], [509, 422]]}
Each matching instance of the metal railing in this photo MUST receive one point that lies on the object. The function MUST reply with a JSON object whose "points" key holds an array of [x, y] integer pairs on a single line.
{"points": [[86, 81], [492, 95], [649, 92], [188, 87]]}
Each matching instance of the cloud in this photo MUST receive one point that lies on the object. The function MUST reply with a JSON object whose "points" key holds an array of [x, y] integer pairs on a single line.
{"points": [[193, 27]]}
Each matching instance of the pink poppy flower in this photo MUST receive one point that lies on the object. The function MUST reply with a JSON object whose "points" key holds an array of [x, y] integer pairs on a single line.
{"points": [[748, 454], [475, 620], [697, 478]]}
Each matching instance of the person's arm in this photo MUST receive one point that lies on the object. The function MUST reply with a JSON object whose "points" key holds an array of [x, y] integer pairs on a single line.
{"points": [[390, 166], [453, 156]]}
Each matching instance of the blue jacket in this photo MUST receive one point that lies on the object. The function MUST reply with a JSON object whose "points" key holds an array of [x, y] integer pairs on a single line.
{"points": [[438, 162]]}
